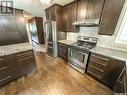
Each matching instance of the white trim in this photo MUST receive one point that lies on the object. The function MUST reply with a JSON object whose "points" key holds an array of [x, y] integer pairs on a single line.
{"points": [[121, 25]]}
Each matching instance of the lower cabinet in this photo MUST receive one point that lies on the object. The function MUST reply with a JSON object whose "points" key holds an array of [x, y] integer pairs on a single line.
{"points": [[63, 51], [26, 62], [16, 65], [105, 69]]}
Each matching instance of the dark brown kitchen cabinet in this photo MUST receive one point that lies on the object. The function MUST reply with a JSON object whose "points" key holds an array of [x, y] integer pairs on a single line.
{"points": [[82, 10], [69, 16], [95, 9], [26, 62], [89, 9], [50, 14], [55, 13], [16, 65], [63, 51], [12, 28], [36, 29], [20, 23], [105, 69], [111, 12], [8, 69]]}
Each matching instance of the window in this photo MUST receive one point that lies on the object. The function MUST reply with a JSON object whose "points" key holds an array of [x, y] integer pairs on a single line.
{"points": [[122, 30]]}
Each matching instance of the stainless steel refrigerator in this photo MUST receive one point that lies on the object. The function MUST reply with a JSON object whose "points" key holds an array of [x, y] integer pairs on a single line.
{"points": [[52, 35]]}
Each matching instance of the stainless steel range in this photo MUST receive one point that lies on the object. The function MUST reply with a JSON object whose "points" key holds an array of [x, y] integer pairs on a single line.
{"points": [[79, 52]]}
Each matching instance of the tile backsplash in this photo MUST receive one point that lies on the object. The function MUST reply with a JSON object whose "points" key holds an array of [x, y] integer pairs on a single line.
{"points": [[103, 41]]}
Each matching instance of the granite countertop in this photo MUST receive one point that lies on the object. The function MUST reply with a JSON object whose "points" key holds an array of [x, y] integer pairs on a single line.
{"points": [[67, 42], [15, 48], [120, 55]]}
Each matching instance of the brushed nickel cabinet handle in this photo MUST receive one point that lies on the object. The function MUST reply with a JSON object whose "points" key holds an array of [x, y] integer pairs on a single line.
{"points": [[100, 70], [102, 64], [26, 58], [95, 75], [25, 53], [8, 77], [3, 68], [1, 59]]}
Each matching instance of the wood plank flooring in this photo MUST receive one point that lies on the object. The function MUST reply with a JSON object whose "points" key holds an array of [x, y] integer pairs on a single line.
{"points": [[55, 77]]}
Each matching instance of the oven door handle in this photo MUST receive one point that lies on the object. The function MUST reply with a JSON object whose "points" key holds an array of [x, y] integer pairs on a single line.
{"points": [[77, 51]]}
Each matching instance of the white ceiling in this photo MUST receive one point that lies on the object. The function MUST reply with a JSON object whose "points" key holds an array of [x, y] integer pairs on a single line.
{"points": [[35, 7]]}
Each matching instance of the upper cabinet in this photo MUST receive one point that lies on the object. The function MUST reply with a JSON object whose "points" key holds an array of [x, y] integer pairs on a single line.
{"points": [[95, 9], [89, 9], [106, 11], [69, 16], [55, 13], [50, 13], [20, 23], [13, 29], [111, 12], [82, 10]]}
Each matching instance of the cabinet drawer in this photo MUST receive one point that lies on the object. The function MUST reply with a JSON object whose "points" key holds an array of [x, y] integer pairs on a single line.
{"points": [[98, 67], [98, 75], [100, 60], [27, 65], [8, 77], [25, 54]]}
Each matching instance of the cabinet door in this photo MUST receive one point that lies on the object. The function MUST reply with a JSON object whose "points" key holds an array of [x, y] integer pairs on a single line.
{"points": [[82, 10], [65, 18], [11, 32], [110, 16], [69, 16], [95, 9], [26, 62], [63, 51], [50, 14], [20, 24]]}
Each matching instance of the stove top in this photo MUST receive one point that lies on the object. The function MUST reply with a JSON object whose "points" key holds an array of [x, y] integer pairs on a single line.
{"points": [[82, 46], [85, 42]]}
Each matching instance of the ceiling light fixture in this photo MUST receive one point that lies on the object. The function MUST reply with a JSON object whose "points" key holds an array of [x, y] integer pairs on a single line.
{"points": [[45, 1]]}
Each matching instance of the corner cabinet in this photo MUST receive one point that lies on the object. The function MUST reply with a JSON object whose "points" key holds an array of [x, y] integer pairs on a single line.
{"points": [[105, 69], [111, 12], [69, 16]]}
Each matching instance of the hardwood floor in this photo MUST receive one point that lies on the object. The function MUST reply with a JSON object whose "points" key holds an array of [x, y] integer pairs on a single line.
{"points": [[55, 77]]}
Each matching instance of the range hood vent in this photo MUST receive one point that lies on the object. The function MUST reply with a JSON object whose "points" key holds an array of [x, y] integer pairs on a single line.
{"points": [[87, 23]]}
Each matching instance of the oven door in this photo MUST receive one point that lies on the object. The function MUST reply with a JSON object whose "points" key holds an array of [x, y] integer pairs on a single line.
{"points": [[78, 58]]}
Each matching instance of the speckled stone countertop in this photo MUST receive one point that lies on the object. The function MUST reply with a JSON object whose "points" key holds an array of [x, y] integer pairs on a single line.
{"points": [[67, 42], [15, 48], [120, 55]]}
